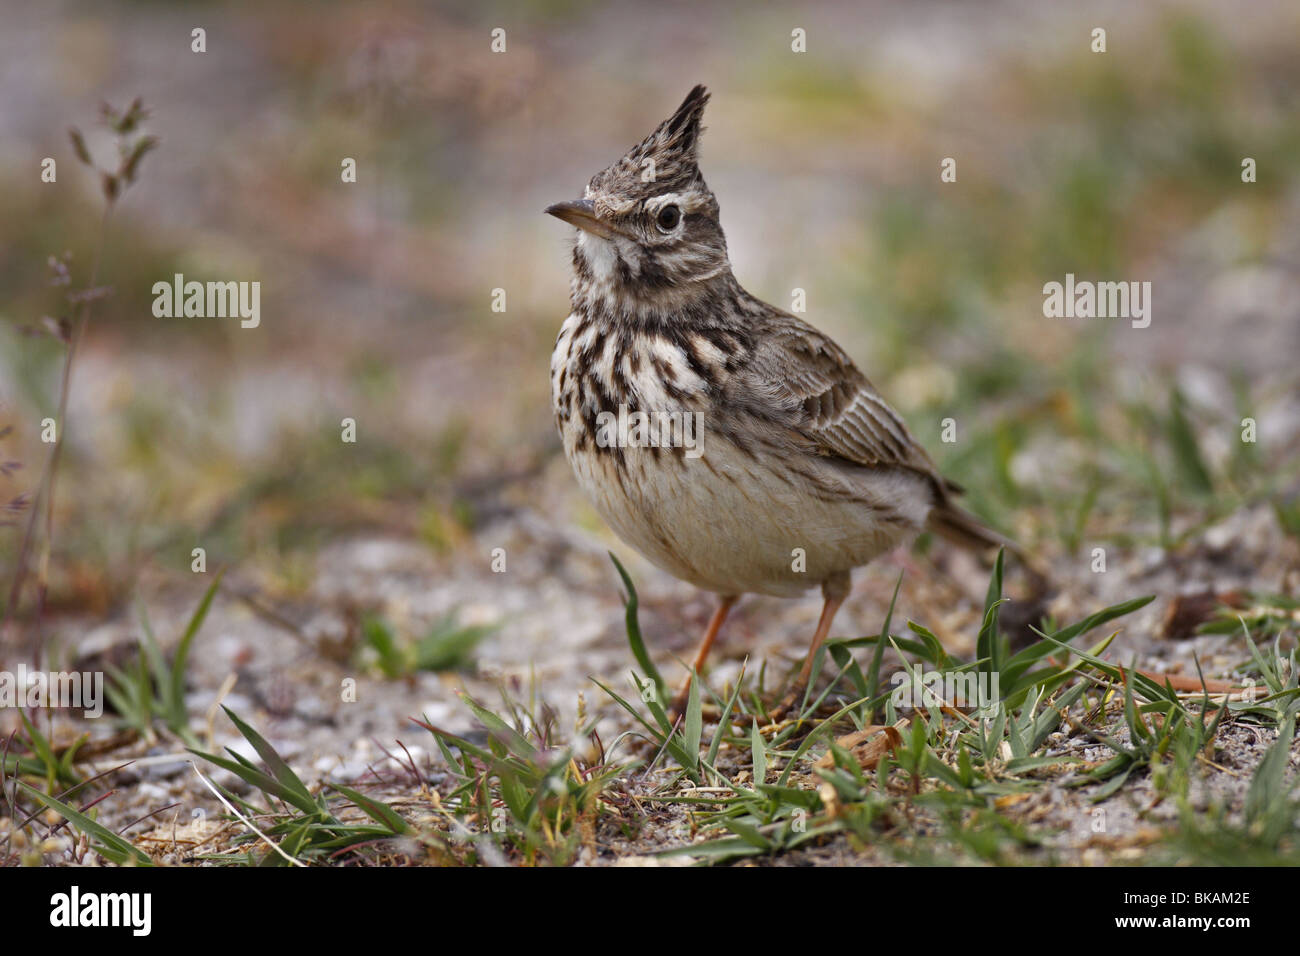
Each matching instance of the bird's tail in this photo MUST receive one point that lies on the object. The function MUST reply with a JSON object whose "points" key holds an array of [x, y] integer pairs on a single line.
{"points": [[962, 528]]}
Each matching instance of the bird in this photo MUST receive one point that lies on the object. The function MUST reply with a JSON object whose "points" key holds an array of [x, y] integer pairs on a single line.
{"points": [[796, 471]]}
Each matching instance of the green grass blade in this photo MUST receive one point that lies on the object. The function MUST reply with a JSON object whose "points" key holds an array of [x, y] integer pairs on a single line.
{"points": [[176, 716], [110, 846], [634, 638], [274, 762], [515, 742], [877, 658], [989, 643], [377, 810], [758, 748]]}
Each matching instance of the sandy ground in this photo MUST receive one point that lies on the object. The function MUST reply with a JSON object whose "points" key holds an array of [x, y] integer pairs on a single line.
{"points": [[365, 273]]}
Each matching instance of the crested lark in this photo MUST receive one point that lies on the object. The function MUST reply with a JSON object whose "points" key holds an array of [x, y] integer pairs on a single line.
{"points": [[794, 448]]}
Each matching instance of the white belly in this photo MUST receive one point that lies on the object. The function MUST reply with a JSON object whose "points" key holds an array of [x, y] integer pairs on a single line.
{"points": [[729, 521]]}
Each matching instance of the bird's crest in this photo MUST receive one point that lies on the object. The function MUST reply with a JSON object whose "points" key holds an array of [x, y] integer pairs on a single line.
{"points": [[663, 161]]}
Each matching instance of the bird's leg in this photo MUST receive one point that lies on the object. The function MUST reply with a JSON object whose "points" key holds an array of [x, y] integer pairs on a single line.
{"points": [[834, 589], [701, 655]]}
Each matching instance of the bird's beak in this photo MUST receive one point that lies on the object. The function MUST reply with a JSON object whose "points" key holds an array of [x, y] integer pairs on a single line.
{"points": [[582, 213]]}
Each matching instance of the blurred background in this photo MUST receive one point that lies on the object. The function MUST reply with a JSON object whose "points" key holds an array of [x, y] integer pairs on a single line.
{"points": [[376, 296]]}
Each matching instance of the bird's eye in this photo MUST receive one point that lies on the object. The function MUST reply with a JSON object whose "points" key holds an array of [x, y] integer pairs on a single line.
{"points": [[668, 218]]}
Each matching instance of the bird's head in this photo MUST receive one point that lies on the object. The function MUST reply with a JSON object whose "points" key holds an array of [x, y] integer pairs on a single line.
{"points": [[648, 225]]}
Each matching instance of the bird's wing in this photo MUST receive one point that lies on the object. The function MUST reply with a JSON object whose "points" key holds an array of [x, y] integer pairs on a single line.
{"points": [[812, 386]]}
